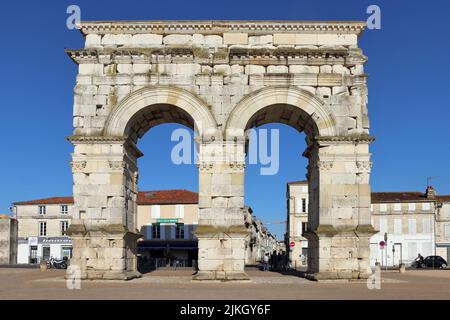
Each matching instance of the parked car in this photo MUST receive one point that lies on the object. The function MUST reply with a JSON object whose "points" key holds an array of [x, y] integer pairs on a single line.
{"points": [[436, 262]]}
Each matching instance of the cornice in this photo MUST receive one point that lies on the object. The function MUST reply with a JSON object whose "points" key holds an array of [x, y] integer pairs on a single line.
{"points": [[219, 26], [96, 139], [233, 55], [349, 138]]}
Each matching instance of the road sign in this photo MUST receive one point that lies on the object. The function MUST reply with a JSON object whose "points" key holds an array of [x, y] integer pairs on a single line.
{"points": [[292, 244], [382, 243]]}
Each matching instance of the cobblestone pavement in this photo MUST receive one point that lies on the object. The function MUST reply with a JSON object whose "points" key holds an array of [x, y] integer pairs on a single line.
{"points": [[169, 284]]}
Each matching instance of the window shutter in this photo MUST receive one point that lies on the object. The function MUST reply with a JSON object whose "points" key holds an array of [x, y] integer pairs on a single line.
{"points": [[412, 226], [186, 232], [398, 226]]}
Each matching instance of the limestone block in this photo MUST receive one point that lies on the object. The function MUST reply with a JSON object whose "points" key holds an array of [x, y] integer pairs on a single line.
{"points": [[179, 39], [326, 69], [213, 40], [308, 88], [85, 89], [188, 69], [124, 68], [254, 69], [260, 40], [236, 202], [84, 79], [338, 68], [357, 69], [323, 91], [294, 39], [93, 40], [105, 90], [85, 109], [235, 38], [90, 69], [337, 39], [224, 69], [219, 202], [146, 40], [221, 178], [110, 69], [198, 39], [206, 70], [141, 68], [117, 39], [303, 69], [277, 69], [340, 90], [237, 69]]}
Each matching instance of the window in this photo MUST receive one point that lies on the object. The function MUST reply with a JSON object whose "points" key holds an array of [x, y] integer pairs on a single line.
{"points": [[398, 226], [426, 206], [411, 207], [383, 225], [179, 211], [66, 252], [446, 231], [42, 210], [426, 225], [64, 209], [42, 229], [156, 231], [64, 227], [383, 207], [412, 226], [304, 226], [397, 206], [303, 205], [156, 212], [179, 231]]}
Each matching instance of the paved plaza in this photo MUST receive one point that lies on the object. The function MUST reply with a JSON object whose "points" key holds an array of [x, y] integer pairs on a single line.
{"points": [[174, 285]]}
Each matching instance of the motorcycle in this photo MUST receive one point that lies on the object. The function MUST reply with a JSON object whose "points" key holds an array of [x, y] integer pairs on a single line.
{"points": [[57, 264]]}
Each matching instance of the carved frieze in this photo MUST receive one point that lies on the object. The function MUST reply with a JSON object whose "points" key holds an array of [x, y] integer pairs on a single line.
{"points": [[78, 166]]}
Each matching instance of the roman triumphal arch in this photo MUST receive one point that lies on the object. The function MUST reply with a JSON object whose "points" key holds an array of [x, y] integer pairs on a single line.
{"points": [[220, 78]]}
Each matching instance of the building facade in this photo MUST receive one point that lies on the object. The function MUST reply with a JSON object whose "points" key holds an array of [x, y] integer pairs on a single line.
{"points": [[443, 227], [8, 239], [166, 220], [407, 224], [297, 221], [42, 226]]}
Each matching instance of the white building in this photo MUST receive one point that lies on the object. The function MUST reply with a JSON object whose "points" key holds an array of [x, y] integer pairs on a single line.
{"points": [[41, 229], [408, 223]]}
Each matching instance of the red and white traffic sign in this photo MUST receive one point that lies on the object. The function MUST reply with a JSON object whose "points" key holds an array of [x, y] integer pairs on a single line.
{"points": [[382, 243], [292, 244]]}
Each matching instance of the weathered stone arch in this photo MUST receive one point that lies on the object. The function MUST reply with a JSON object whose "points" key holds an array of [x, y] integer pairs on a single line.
{"points": [[220, 78], [118, 122], [322, 123]]}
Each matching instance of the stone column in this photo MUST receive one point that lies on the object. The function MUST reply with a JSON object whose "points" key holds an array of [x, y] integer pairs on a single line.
{"points": [[339, 223], [103, 228], [221, 231]]}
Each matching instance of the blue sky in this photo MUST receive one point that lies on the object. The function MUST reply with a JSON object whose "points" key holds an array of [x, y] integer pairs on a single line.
{"points": [[408, 84]]}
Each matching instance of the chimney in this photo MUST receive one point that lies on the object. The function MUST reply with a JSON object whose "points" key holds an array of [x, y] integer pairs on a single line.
{"points": [[430, 193]]}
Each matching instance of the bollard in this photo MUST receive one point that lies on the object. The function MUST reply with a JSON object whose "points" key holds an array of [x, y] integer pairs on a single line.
{"points": [[402, 268], [43, 265]]}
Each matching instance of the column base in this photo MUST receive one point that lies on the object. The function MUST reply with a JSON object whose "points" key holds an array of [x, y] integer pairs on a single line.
{"points": [[337, 276], [109, 275], [221, 276]]}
